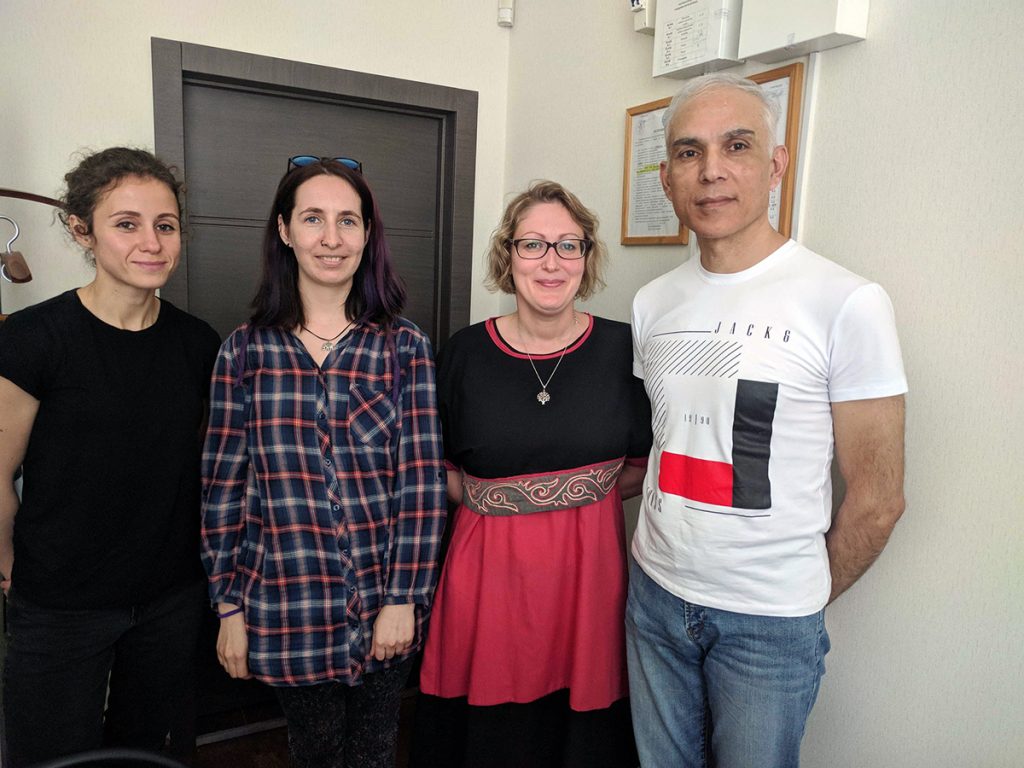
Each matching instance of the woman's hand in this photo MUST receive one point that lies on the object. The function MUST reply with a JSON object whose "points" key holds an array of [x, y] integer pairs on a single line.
{"points": [[631, 480], [233, 643], [6, 564], [393, 631], [454, 486], [17, 416]]}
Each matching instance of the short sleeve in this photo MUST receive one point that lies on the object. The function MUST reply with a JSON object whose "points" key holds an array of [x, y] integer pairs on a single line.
{"points": [[26, 356], [446, 393], [864, 357], [640, 427], [638, 358]]}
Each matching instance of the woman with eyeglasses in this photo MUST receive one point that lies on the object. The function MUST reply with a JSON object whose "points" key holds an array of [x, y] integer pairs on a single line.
{"points": [[102, 399], [322, 475], [546, 430]]}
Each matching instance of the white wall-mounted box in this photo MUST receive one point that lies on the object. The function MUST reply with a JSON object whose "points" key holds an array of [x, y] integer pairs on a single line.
{"points": [[644, 13], [773, 30], [692, 37]]}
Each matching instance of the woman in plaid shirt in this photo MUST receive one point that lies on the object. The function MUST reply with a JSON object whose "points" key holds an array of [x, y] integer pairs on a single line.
{"points": [[323, 482]]}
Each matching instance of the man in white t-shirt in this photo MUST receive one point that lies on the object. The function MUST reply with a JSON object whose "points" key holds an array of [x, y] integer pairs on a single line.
{"points": [[761, 360]]}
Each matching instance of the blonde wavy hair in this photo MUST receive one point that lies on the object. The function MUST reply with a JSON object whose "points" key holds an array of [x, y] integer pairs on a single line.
{"points": [[499, 253]]}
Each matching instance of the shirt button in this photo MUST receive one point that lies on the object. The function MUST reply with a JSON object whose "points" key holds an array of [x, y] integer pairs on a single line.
{"points": [[336, 507], [352, 590], [344, 552], [327, 462], [321, 415]]}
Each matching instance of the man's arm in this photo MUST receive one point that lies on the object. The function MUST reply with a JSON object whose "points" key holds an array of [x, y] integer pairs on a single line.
{"points": [[17, 415], [869, 449]]}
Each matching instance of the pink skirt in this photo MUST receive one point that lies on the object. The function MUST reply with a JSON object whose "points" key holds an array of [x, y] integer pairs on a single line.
{"points": [[530, 604]]}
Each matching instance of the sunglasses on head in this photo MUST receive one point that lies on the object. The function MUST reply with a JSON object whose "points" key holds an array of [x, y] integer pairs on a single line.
{"points": [[300, 161]]}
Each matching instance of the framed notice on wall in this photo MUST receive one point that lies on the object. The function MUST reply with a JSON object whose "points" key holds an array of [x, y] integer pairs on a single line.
{"points": [[785, 85], [647, 215]]}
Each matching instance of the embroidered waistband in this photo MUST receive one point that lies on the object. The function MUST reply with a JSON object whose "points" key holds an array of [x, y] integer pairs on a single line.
{"points": [[540, 493]]}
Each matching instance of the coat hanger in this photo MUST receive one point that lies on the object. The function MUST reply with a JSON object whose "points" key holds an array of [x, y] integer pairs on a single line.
{"points": [[13, 268], [12, 264]]}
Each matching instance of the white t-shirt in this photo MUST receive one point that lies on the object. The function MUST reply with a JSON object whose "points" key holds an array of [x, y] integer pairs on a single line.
{"points": [[741, 370]]}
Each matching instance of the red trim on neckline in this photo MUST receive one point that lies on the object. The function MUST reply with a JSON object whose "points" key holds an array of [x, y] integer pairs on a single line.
{"points": [[492, 330]]}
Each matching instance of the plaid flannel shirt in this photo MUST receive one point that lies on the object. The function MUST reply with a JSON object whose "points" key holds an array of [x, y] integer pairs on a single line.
{"points": [[323, 496]]}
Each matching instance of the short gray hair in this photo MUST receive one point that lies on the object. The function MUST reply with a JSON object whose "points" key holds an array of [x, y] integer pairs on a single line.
{"points": [[699, 85]]}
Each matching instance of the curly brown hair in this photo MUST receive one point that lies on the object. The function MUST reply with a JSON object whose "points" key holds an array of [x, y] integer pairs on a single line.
{"points": [[499, 253], [99, 172]]}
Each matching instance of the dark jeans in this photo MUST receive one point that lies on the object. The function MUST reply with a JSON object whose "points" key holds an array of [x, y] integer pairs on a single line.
{"points": [[59, 663], [340, 726]]}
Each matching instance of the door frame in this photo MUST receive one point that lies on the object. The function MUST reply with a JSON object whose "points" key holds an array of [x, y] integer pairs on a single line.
{"points": [[175, 63]]}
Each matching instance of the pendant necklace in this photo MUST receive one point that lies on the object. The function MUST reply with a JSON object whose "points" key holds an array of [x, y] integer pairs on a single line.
{"points": [[543, 397], [330, 342]]}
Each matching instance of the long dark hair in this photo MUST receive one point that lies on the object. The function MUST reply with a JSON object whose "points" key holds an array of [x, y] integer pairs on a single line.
{"points": [[377, 295]]}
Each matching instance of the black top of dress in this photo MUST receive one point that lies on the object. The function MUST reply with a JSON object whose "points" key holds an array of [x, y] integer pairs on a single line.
{"points": [[495, 427]]}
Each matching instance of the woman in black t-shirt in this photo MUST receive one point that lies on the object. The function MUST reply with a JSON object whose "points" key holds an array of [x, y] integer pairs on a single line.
{"points": [[102, 395]]}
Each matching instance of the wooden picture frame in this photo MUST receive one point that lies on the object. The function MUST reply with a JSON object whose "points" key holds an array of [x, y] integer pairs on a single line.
{"points": [[786, 84], [647, 215]]}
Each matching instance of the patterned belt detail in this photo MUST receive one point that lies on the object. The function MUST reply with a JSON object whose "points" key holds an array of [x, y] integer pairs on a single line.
{"points": [[540, 493]]}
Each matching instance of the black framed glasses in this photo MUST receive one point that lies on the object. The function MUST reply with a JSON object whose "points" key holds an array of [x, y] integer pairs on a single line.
{"points": [[300, 161], [570, 248]]}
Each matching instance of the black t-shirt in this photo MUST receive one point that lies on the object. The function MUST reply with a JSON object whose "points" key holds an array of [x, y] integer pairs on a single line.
{"points": [[110, 504]]}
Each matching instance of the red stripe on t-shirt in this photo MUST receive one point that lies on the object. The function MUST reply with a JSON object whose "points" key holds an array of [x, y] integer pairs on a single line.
{"points": [[696, 479]]}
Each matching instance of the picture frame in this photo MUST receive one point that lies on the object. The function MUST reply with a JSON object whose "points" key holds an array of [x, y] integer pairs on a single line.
{"points": [[647, 215], [786, 85]]}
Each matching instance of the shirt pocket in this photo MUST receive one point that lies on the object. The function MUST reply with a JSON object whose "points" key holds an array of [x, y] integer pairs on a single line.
{"points": [[371, 415]]}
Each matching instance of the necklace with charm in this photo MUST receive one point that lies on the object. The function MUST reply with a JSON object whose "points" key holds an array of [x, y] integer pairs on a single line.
{"points": [[330, 342], [543, 397]]}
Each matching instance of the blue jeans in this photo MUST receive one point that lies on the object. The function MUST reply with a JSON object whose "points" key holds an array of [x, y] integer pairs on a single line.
{"points": [[715, 688]]}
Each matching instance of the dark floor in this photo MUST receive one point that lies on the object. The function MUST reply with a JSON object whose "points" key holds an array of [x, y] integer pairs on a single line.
{"points": [[269, 749]]}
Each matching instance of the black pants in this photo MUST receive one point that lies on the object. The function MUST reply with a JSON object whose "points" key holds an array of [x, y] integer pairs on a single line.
{"points": [[546, 733], [59, 663], [340, 726]]}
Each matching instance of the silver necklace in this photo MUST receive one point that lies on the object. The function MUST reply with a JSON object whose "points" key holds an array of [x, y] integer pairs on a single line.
{"points": [[330, 342], [543, 397]]}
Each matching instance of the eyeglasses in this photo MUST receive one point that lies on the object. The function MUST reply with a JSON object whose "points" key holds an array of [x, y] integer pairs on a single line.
{"points": [[570, 248], [300, 161]]}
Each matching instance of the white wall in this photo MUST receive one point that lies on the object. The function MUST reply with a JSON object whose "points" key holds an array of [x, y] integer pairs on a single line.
{"points": [[913, 178], [916, 181], [78, 74]]}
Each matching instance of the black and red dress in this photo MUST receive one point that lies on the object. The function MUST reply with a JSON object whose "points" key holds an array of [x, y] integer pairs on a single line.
{"points": [[531, 597]]}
